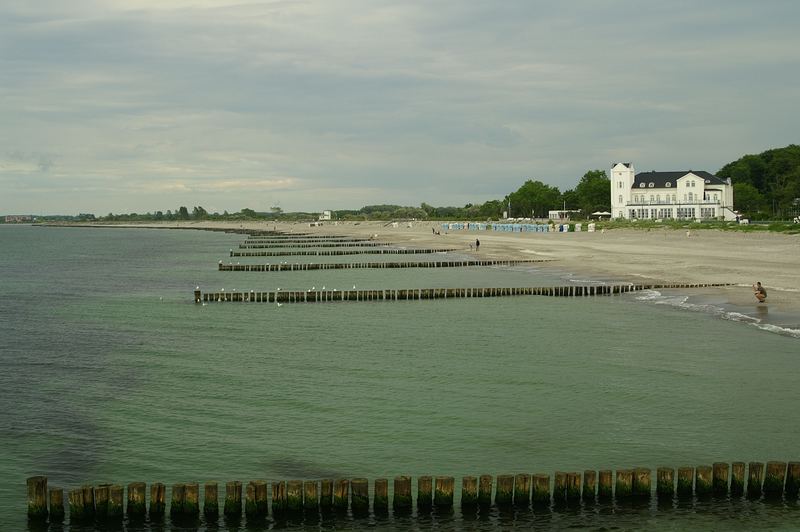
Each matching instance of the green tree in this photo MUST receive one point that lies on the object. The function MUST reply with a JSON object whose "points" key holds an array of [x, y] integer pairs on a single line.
{"points": [[533, 198], [183, 213], [593, 192], [747, 198]]}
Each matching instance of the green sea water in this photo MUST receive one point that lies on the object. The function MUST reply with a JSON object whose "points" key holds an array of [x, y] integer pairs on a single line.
{"points": [[110, 373]]}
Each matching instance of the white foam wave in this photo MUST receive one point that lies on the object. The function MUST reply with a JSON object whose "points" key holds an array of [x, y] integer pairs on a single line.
{"points": [[682, 302]]}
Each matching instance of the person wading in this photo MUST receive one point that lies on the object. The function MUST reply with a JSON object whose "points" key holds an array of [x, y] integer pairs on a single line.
{"points": [[760, 292]]}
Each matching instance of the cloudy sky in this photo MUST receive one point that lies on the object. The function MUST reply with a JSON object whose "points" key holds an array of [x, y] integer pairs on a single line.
{"points": [[145, 105]]}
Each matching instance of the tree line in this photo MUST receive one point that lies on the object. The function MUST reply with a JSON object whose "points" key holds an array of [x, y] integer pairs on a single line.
{"points": [[766, 186]]}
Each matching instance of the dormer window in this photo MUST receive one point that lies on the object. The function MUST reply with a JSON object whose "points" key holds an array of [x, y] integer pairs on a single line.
{"points": [[651, 184], [641, 185], [668, 184]]}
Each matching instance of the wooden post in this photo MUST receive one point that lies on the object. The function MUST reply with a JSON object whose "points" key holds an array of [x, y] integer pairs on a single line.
{"points": [[774, 479], [624, 484], [737, 479], [589, 485], [665, 485], [88, 500], [541, 490], [341, 494], [424, 492], [380, 499], [469, 492], [642, 484], [485, 490], [504, 496], [443, 492], [792, 479], [278, 498], [311, 496], [37, 498], [77, 509], [755, 479], [685, 487], [116, 505], [703, 481], [177, 501], [360, 496], [559, 487], [294, 496], [604, 485], [158, 501], [522, 489], [101, 501], [210, 501], [56, 496], [326, 494], [573, 486], [137, 502], [719, 482], [402, 494], [250, 501], [191, 502], [233, 499]]}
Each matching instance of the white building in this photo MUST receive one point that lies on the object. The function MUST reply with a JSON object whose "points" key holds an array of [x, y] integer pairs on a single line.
{"points": [[326, 215], [689, 195]]}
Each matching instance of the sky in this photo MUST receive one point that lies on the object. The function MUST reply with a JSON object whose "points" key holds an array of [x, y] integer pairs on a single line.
{"points": [[144, 105]]}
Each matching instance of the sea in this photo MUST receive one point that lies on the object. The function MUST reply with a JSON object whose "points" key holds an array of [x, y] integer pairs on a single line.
{"points": [[110, 373]]}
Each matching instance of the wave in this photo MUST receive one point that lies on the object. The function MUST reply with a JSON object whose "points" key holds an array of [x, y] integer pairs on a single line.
{"points": [[682, 302]]}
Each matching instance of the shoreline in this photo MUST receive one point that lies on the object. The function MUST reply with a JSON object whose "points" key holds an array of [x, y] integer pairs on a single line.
{"points": [[621, 255]]}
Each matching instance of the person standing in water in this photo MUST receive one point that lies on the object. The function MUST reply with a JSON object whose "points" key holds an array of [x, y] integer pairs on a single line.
{"points": [[760, 292]]}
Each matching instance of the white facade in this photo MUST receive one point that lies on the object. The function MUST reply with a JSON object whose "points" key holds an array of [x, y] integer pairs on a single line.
{"points": [[326, 215], [686, 195]]}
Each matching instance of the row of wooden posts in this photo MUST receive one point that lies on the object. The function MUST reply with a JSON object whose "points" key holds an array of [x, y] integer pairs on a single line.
{"points": [[295, 244], [291, 267], [411, 294], [367, 251], [305, 240], [105, 501]]}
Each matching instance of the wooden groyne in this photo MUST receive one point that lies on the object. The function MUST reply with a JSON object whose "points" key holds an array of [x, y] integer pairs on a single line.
{"points": [[294, 244], [419, 294], [303, 240], [297, 267], [105, 503], [330, 252]]}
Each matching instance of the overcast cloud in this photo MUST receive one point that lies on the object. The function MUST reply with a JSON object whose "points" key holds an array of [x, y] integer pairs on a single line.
{"points": [[145, 105]]}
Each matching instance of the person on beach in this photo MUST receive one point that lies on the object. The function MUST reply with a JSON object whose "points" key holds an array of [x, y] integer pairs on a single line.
{"points": [[477, 244], [760, 292]]}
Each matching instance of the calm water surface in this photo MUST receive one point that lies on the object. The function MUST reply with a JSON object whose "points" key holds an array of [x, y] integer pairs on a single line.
{"points": [[111, 374]]}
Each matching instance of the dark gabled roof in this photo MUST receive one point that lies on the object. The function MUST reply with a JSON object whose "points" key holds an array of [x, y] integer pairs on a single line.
{"points": [[660, 179], [627, 165]]}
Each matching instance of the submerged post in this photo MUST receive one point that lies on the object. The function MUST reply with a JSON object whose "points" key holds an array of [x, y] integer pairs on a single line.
{"points": [[773, 481], [719, 482], [792, 479], [755, 479], [137, 503], [326, 494], [158, 501], [522, 489], [737, 479], [37, 498], [56, 496], [294, 496], [380, 498], [424, 492], [310, 495], [504, 495], [177, 501], [77, 507], [116, 509], [469, 492], [685, 485], [341, 494], [360, 495], [541, 490], [665, 485], [402, 494], [589, 484], [624, 485], [233, 499], [278, 498], [210, 501], [604, 485], [642, 484], [485, 490], [443, 493], [573, 486], [703, 481]]}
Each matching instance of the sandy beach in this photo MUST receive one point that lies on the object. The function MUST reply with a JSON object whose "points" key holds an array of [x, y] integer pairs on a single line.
{"points": [[658, 255]]}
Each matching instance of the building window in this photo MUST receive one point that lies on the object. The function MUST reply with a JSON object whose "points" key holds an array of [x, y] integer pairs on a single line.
{"points": [[651, 185], [673, 199], [641, 185], [651, 198], [668, 185], [619, 184], [620, 200], [691, 197]]}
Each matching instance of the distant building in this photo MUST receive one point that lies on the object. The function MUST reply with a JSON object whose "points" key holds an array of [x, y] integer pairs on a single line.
{"points": [[683, 195], [18, 218], [326, 215], [562, 214]]}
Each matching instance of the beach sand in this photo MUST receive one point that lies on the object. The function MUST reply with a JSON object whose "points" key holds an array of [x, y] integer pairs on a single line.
{"points": [[629, 255]]}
